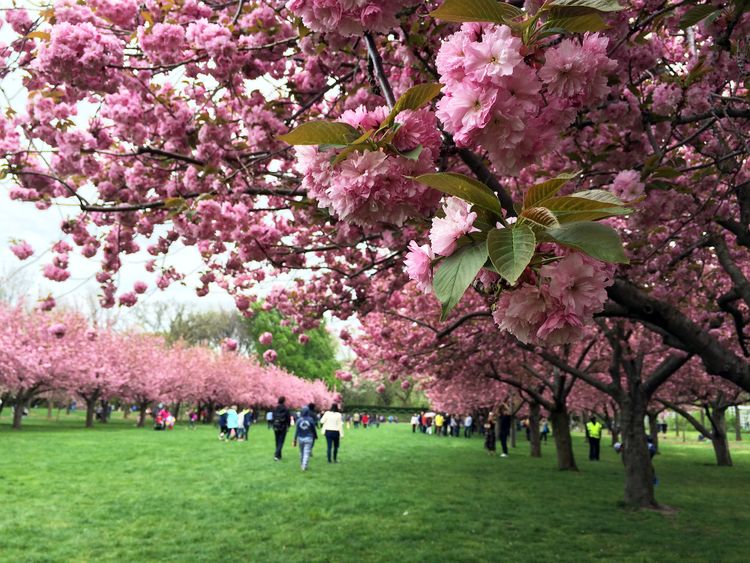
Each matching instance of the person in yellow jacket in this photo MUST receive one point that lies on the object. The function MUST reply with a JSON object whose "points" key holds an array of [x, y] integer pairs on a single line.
{"points": [[594, 432], [439, 421]]}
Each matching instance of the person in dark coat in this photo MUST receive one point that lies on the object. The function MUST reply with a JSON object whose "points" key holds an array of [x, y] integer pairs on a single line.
{"points": [[281, 422]]}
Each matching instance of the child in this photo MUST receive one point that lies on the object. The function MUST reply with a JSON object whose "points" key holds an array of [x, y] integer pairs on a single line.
{"points": [[305, 434], [489, 437]]}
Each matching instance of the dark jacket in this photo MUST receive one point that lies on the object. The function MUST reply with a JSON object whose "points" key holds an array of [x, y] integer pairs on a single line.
{"points": [[281, 418], [306, 426]]}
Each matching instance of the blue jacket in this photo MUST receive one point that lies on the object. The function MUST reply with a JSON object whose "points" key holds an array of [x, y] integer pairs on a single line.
{"points": [[305, 426]]}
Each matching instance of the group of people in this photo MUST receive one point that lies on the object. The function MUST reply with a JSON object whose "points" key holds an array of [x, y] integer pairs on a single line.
{"points": [[306, 425], [234, 424], [163, 419], [439, 424]]}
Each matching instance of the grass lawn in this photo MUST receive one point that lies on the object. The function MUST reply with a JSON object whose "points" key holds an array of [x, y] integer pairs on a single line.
{"points": [[120, 493]]}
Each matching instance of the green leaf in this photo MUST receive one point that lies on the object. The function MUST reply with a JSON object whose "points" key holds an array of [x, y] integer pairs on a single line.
{"points": [[511, 250], [568, 209], [599, 195], [321, 133], [579, 24], [540, 217], [466, 188], [414, 98], [476, 11], [413, 154], [598, 241], [456, 273], [539, 192], [696, 14], [570, 8]]}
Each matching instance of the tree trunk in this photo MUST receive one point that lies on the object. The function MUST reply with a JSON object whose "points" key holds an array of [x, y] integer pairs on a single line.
{"points": [[142, 413], [560, 420], [90, 404], [513, 431], [49, 409], [20, 404], [211, 411], [676, 425], [105, 411], [126, 413], [639, 473], [719, 437], [737, 424], [176, 412], [653, 428], [536, 441]]}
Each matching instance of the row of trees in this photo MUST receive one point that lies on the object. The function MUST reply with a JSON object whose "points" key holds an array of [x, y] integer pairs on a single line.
{"points": [[43, 354], [618, 370]]}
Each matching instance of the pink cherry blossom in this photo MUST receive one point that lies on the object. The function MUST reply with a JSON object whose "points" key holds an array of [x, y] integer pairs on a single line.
{"points": [[270, 356], [266, 338], [419, 265], [22, 250], [446, 231], [627, 185]]}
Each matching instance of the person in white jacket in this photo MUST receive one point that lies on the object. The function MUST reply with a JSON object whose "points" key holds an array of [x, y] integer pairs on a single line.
{"points": [[332, 424]]}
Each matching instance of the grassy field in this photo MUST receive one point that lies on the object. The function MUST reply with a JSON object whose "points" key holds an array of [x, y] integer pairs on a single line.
{"points": [[120, 493]]}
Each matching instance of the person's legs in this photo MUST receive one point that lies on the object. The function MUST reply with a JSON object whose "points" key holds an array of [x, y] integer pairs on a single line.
{"points": [[329, 443], [305, 445], [336, 437], [504, 442], [597, 443], [280, 437], [591, 449]]}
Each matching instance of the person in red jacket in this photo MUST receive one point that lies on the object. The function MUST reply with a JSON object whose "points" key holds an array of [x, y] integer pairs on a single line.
{"points": [[365, 420]]}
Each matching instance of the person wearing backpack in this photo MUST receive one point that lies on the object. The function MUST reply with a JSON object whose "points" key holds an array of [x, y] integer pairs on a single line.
{"points": [[305, 434], [281, 419]]}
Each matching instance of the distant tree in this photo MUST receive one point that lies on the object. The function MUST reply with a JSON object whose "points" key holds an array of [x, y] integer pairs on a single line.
{"points": [[207, 328], [315, 359]]}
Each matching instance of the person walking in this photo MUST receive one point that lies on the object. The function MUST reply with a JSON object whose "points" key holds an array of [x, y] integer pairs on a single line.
{"points": [[490, 440], [594, 433], [414, 423], [365, 420], [305, 434], [468, 424], [222, 422], [332, 424], [545, 429], [281, 419], [233, 423], [505, 422], [355, 419], [269, 419]]}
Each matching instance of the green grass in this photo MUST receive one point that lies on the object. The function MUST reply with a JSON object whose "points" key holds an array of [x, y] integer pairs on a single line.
{"points": [[126, 494]]}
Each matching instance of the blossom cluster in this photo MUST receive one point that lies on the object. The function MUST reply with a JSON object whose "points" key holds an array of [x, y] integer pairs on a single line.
{"points": [[457, 221], [556, 307], [374, 186], [346, 17], [495, 99]]}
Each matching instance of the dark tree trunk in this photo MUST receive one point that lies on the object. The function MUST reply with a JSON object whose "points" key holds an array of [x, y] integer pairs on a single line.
{"points": [[513, 431], [142, 406], [719, 437], [737, 424], [560, 420], [90, 401], [653, 428], [49, 409], [177, 410], [211, 411], [536, 441], [20, 404], [639, 473], [105, 411]]}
